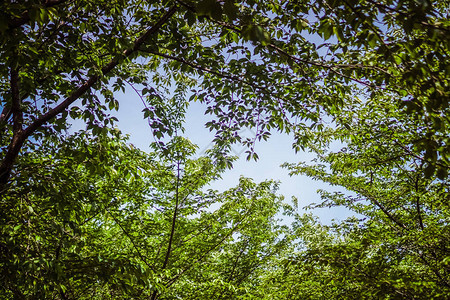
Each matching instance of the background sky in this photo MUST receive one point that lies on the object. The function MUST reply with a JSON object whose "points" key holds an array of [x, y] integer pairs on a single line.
{"points": [[272, 153]]}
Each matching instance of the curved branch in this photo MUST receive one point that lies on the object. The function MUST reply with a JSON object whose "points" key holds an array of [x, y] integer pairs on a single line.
{"points": [[17, 142], [92, 80]]}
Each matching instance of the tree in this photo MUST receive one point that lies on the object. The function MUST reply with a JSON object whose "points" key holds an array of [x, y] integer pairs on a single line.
{"points": [[53, 243], [398, 245], [93, 217], [255, 61], [377, 70]]}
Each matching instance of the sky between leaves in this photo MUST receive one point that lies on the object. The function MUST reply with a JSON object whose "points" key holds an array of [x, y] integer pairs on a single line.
{"points": [[272, 153]]}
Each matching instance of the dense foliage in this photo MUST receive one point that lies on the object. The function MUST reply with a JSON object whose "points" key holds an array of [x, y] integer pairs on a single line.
{"points": [[88, 216], [398, 247], [95, 218], [261, 64]]}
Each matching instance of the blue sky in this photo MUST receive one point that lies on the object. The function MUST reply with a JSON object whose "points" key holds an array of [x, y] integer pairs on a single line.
{"points": [[272, 154]]}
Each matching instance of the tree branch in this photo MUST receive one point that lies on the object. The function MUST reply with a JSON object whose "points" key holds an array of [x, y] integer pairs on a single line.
{"points": [[172, 230], [17, 142], [206, 253], [384, 7], [174, 218], [141, 256], [17, 139], [92, 80], [380, 206], [331, 68], [419, 214], [16, 110], [222, 75]]}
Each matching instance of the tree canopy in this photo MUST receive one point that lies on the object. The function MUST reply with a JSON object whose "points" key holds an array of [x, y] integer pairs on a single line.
{"points": [[94, 217], [262, 64], [89, 216]]}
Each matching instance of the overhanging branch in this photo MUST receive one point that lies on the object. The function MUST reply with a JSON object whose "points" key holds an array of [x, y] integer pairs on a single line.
{"points": [[222, 75], [93, 79], [19, 139]]}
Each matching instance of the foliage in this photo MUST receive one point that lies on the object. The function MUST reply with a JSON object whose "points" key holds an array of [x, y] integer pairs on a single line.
{"points": [[89, 216], [92, 217], [399, 248], [262, 64]]}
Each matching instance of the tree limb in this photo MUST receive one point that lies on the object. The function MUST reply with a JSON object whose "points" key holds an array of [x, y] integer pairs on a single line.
{"points": [[380, 206], [206, 253], [92, 80], [172, 229], [222, 75], [17, 142], [136, 248], [16, 110]]}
